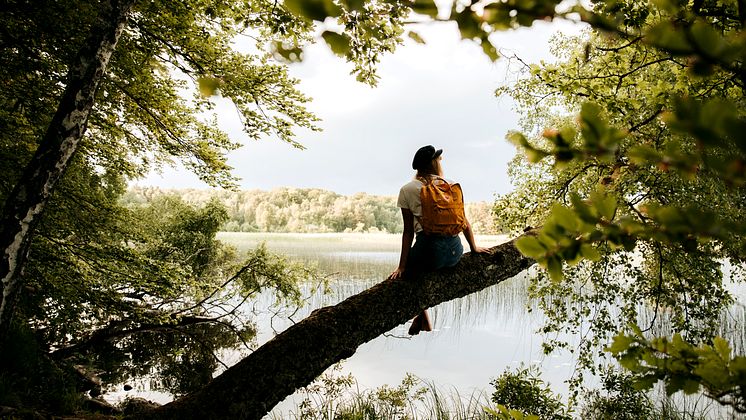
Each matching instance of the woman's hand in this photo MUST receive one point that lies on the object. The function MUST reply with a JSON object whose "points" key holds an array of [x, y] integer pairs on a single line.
{"points": [[396, 274], [479, 250], [469, 234]]}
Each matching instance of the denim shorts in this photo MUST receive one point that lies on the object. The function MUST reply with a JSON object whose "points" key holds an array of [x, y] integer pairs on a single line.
{"points": [[431, 252]]}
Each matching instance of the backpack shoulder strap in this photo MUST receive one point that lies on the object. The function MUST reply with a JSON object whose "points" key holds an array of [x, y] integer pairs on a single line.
{"points": [[425, 180], [429, 180]]}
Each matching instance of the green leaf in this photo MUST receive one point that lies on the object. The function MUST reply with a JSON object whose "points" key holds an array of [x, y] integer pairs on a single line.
{"points": [[468, 24], [628, 242], [707, 38], [635, 329], [356, 5], [714, 372], [208, 86], [674, 384], [722, 348], [491, 411], [629, 362], [535, 155], [554, 268], [568, 133], [339, 43], [620, 344], [589, 252], [690, 386], [530, 247], [645, 382], [605, 203], [582, 209], [548, 241], [642, 155], [317, 10], [489, 50], [592, 127], [669, 37], [571, 253], [670, 217], [738, 366], [516, 414], [517, 138], [564, 217], [425, 7], [416, 37]]}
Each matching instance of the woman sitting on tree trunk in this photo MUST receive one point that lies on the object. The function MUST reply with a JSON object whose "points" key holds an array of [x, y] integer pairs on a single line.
{"points": [[433, 212]]}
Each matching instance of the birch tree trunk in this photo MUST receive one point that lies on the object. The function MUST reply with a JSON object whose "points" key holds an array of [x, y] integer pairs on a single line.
{"points": [[26, 201], [294, 358]]}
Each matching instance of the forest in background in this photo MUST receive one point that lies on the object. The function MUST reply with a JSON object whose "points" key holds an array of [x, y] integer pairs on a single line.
{"points": [[305, 210]]}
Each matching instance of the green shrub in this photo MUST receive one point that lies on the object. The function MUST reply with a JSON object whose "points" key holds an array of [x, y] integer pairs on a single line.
{"points": [[526, 392], [30, 380], [618, 399]]}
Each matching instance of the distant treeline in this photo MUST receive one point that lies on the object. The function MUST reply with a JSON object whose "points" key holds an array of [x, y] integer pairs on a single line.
{"points": [[306, 210]]}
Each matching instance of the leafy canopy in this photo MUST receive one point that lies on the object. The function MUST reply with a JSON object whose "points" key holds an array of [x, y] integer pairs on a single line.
{"points": [[639, 186], [128, 289]]}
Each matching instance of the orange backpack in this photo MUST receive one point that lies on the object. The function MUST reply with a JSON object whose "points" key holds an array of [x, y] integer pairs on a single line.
{"points": [[442, 207]]}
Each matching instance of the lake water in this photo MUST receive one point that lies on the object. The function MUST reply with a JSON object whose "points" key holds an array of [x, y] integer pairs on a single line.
{"points": [[475, 338]]}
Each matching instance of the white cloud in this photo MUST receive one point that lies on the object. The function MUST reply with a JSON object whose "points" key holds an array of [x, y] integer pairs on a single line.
{"points": [[441, 93]]}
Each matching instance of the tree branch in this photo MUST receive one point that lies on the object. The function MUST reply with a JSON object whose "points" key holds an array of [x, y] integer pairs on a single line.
{"points": [[294, 358], [646, 120], [621, 47], [117, 329]]}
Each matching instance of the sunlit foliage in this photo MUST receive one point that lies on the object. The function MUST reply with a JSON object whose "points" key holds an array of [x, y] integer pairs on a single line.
{"points": [[633, 168], [302, 210], [125, 290]]}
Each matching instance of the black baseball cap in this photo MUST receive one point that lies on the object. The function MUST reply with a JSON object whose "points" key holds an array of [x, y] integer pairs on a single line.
{"points": [[424, 155]]}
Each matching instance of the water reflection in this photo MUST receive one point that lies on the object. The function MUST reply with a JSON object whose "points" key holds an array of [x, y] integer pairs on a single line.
{"points": [[475, 338]]}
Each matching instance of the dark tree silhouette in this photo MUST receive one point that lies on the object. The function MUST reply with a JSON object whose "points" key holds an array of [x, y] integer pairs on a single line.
{"points": [[26, 201]]}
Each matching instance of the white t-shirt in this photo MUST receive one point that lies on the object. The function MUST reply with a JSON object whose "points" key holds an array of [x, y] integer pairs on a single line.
{"points": [[409, 198]]}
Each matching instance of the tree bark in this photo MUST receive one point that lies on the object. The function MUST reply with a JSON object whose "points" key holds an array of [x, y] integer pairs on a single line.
{"points": [[294, 358], [117, 330], [26, 201]]}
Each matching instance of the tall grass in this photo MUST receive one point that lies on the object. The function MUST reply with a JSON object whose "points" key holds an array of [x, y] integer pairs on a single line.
{"points": [[340, 398], [451, 404], [335, 397]]}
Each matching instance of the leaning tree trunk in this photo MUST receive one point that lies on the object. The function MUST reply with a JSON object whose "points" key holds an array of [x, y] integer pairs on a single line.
{"points": [[29, 196], [298, 355]]}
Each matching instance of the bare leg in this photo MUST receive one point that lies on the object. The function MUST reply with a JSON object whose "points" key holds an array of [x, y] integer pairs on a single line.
{"points": [[425, 325], [420, 323], [414, 329]]}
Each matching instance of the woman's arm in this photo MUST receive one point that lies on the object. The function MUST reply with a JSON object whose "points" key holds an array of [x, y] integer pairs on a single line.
{"points": [[406, 242], [469, 234]]}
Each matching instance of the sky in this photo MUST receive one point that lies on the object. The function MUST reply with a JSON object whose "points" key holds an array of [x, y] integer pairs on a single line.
{"points": [[440, 93]]}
